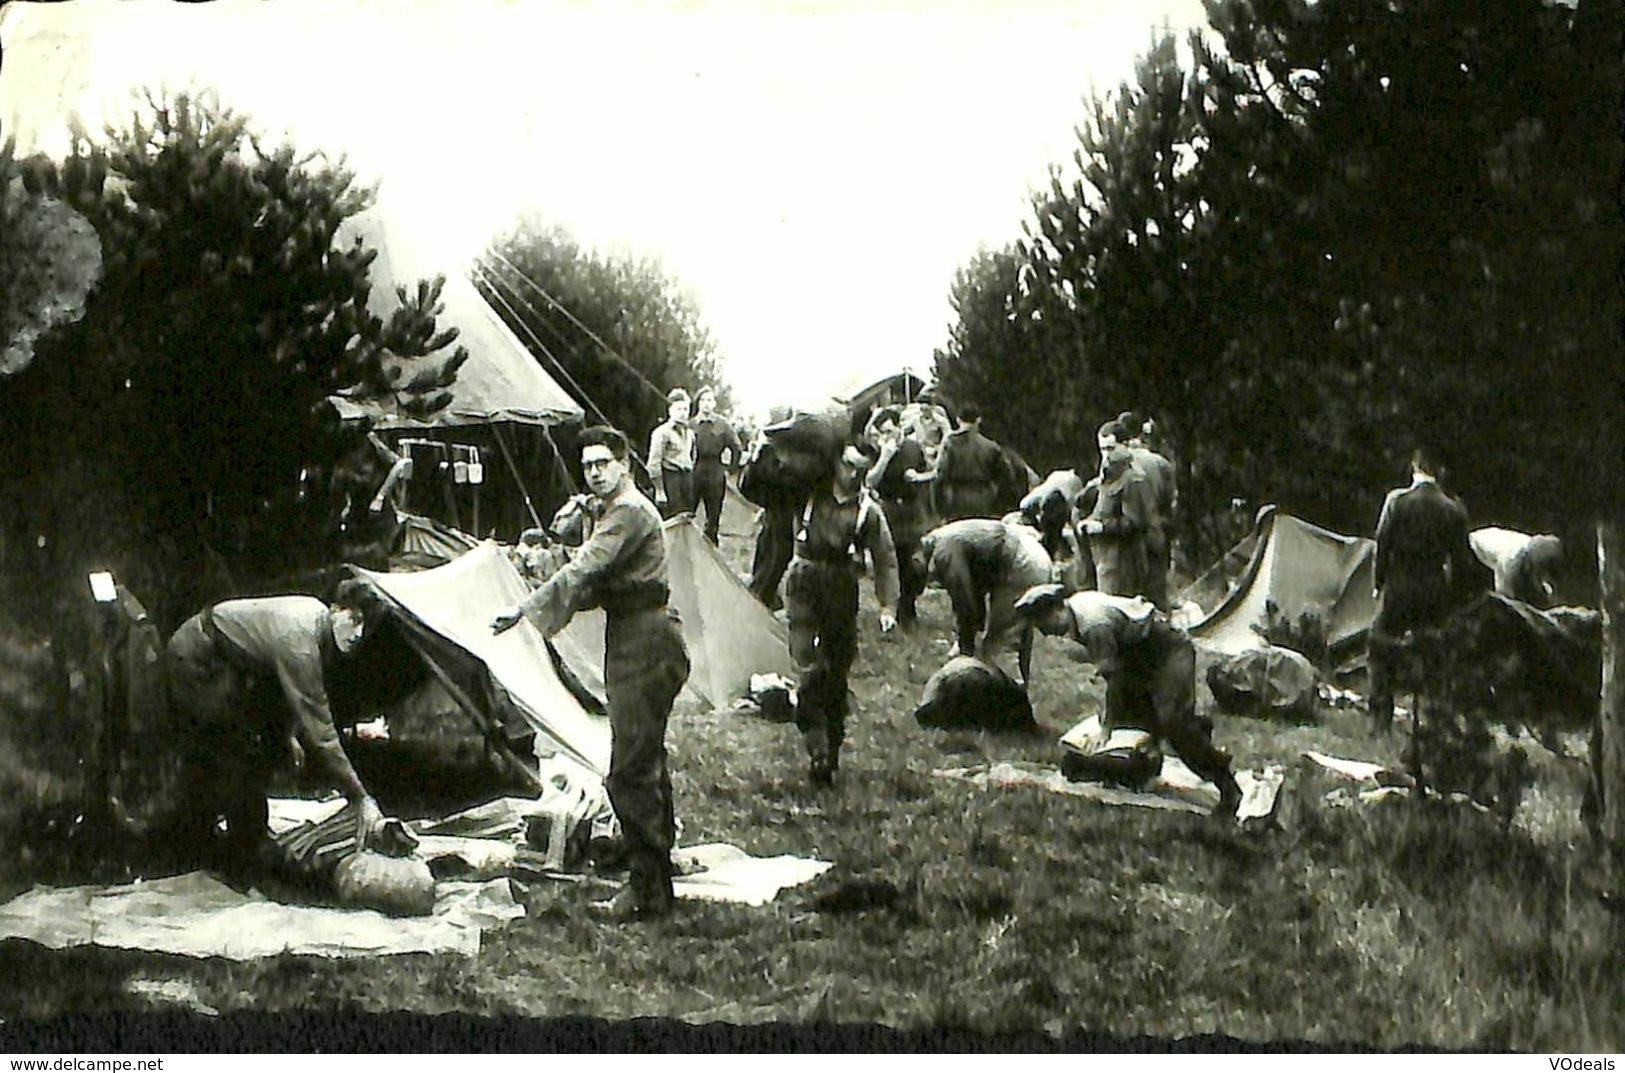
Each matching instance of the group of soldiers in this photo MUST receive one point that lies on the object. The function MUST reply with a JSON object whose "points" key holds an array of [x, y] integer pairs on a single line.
{"points": [[1083, 559], [905, 501]]}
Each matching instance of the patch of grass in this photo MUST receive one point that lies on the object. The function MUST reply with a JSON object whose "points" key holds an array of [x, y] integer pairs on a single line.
{"points": [[1018, 910]]}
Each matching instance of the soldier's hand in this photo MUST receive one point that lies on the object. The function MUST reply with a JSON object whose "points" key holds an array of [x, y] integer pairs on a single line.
{"points": [[506, 620], [1093, 527], [660, 498], [888, 622], [297, 752], [368, 819]]}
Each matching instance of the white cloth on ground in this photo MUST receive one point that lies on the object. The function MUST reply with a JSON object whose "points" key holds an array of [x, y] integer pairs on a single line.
{"points": [[196, 915]]}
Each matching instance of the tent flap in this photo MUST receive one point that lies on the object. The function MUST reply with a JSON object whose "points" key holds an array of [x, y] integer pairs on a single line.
{"points": [[1300, 569], [446, 615]]}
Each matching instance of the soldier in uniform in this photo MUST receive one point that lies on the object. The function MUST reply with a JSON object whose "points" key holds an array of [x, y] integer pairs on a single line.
{"points": [[1123, 516], [225, 666], [898, 479], [716, 450], [621, 567], [1423, 569], [1150, 672], [968, 471], [838, 525], [671, 457]]}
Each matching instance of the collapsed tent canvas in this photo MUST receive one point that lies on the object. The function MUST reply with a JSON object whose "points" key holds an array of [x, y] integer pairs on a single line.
{"points": [[423, 542], [730, 636], [1301, 569], [446, 615]]}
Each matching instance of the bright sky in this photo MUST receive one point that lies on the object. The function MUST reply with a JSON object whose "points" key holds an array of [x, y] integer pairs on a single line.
{"points": [[813, 171]]}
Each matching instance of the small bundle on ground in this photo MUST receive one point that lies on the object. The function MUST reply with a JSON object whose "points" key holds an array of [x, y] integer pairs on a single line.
{"points": [[385, 876], [969, 694], [1266, 683]]}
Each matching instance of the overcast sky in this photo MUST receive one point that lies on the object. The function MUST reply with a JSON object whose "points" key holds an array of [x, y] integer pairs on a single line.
{"points": [[812, 171]]}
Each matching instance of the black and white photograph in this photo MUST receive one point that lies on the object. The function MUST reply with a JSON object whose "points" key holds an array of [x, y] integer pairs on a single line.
{"points": [[807, 526]]}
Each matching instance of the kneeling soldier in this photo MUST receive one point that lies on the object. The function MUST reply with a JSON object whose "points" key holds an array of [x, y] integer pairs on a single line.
{"points": [[1150, 672]]}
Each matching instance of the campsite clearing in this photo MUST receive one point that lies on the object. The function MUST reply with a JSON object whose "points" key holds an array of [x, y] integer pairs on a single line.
{"points": [[1013, 909]]}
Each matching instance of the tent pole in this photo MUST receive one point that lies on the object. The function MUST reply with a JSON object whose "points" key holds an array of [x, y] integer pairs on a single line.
{"points": [[496, 428], [492, 738]]}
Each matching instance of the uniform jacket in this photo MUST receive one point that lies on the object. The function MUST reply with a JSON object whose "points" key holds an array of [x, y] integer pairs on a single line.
{"points": [[1422, 543], [624, 551]]}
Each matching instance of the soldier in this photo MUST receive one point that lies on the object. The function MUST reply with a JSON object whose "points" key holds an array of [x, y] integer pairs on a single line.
{"points": [[986, 564], [621, 567], [838, 525], [1123, 516], [1159, 475], [716, 450], [968, 471], [1150, 672], [898, 478], [222, 664], [671, 457], [1423, 568]]}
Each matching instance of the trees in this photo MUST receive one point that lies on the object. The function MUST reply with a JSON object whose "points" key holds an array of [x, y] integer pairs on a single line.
{"points": [[175, 432], [558, 296], [1347, 230]]}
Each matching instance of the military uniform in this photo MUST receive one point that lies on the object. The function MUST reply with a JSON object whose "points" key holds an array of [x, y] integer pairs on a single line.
{"points": [[671, 465], [1423, 568], [968, 475], [1126, 511], [226, 666], [821, 596], [712, 437], [1150, 672], [1158, 474], [621, 567], [904, 503], [985, 564]]}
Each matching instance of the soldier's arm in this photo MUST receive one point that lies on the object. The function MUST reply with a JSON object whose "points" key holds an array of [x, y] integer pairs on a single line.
{"points": [[877, 472], [657, 451], [883, 553], [1100, 642], [552, 604], [300, 675], [1131, 519]]}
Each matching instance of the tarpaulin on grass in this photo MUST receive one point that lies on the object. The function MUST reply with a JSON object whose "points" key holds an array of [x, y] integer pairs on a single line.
{"points": [[1176, 789], [198, 916]]}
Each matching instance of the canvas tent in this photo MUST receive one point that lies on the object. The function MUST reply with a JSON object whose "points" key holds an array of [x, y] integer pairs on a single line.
{"points": [[1301, 569], [503, 403], [897, 389], [730, 636], [445, 614], [500, 382]]}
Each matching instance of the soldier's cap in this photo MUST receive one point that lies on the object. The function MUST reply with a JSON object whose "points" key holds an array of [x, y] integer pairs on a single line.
{"points": [[1040, 597]]}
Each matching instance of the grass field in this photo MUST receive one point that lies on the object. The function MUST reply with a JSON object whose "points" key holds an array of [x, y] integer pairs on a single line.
{"points": [[1017, 910]]}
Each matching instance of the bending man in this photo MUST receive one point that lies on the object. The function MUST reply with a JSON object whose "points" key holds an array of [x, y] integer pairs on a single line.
{"points": [[1150, 672], [223, 664]]}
